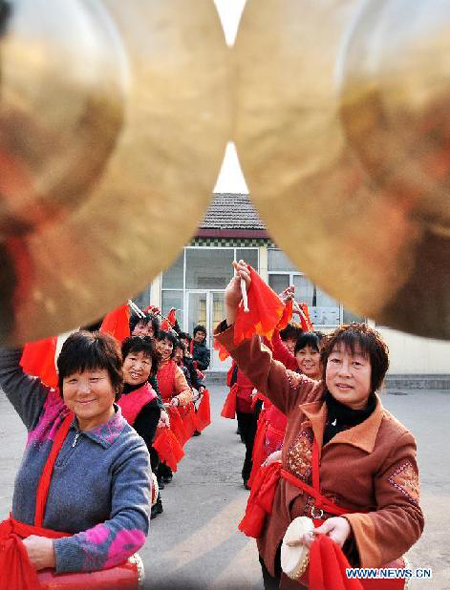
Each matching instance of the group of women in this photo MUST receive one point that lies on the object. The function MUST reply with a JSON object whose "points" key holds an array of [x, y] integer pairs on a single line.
{"points": [[343, 460], [83, 494], [330, 450], [176, 382]]}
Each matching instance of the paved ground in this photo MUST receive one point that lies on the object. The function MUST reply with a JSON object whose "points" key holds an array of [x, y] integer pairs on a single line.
{"points": [[195, 542]]}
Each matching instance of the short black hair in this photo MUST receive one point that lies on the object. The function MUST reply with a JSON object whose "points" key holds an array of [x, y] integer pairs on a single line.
{"points": [[184, 336], [170, 336], [291, 332], [148, 318], [311, 339], [89, 351], [136, 344], [199, 328], [368, 340]]}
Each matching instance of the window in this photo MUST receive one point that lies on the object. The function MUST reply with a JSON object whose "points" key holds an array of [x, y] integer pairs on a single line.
{"points": [[196, 272], [250, 255], [208, 268], [173, 299], [279, 261], [143, 299], [173, 277], [323, 309], [278, 282]]}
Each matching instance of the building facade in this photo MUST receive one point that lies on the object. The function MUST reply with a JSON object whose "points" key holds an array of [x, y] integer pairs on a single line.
{"points": [[232, 230]]}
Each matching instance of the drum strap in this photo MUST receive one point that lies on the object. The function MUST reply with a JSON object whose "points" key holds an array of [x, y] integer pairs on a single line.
{"points": [[321, 503], [18, 572]]}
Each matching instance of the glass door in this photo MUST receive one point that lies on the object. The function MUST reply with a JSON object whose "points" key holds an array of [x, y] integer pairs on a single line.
{"points": [[207, 308], [197, 310]]}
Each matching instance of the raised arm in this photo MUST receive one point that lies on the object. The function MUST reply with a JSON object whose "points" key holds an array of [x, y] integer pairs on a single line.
{"points": [[281, 352], [27, 394], [283, 387]]}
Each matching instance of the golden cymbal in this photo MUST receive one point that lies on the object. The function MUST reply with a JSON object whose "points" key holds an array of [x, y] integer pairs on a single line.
{"points": [[62, 96], [394, 102], [354, 237], [167, 85]]}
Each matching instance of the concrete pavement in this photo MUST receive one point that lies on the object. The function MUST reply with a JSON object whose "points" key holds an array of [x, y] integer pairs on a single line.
{"points": [[195, 542]]}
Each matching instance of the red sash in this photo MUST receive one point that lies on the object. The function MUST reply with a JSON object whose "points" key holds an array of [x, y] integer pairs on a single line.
{"points": [[17, 571], [326, 558], [259, 454], [262, 494], [229, 407]]}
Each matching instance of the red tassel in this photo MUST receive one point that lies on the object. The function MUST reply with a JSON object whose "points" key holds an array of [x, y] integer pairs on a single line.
{"points": [[327, 567], [265, 311], [306, 323], [165, 326], [229, 407], [260, 502], [187, 414], [223, 352], [204, 412], [287, 315], [38, 359], [168, 448], [176, 425], [172, 316]]}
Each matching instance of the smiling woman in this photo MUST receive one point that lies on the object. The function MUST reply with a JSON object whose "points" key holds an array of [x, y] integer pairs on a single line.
{"points": [[346, 462], [82, 458]]}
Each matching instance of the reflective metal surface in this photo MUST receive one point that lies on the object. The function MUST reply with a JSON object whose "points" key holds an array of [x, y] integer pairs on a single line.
{"points": [[341, 131], [114, 118]]}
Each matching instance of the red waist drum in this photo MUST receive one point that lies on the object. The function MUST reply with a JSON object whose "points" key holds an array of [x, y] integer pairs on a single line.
{"points": [[127, 576]]}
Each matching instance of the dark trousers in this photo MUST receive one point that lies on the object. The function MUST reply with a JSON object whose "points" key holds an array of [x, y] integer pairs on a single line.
{"points": [[247, 427], [154, 460], [164, 470], [272, 582]]}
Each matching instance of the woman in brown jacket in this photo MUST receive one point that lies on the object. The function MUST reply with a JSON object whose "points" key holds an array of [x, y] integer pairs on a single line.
{"points": [[366, 471]]}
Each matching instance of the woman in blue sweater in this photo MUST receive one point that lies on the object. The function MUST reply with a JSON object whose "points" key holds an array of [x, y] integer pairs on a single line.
{"points": [[96, 510]]}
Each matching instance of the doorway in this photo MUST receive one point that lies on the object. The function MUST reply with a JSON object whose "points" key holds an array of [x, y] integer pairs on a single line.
{"points": [[207, 308]]}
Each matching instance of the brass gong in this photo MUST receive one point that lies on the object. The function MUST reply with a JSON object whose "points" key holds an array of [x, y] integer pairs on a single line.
{"points": [[114, 118], [326, 92]]}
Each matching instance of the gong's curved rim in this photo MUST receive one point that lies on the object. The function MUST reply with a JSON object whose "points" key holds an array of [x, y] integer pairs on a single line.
{"points": [[311, 190], [156, 185]]}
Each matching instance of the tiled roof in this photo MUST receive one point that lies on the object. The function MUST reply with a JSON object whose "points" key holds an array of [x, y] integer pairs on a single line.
{"points": [[231, 211]]}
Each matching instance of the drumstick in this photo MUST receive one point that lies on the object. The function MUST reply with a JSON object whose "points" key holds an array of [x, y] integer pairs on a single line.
{"points": [[244, 295], [136, 309]]}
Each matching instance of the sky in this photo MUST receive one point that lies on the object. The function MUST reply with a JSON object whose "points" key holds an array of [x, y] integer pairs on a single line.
{"points": [[230, 179]]}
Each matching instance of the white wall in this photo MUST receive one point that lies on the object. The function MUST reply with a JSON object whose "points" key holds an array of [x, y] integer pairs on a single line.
{"points": [[415, 355]]}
